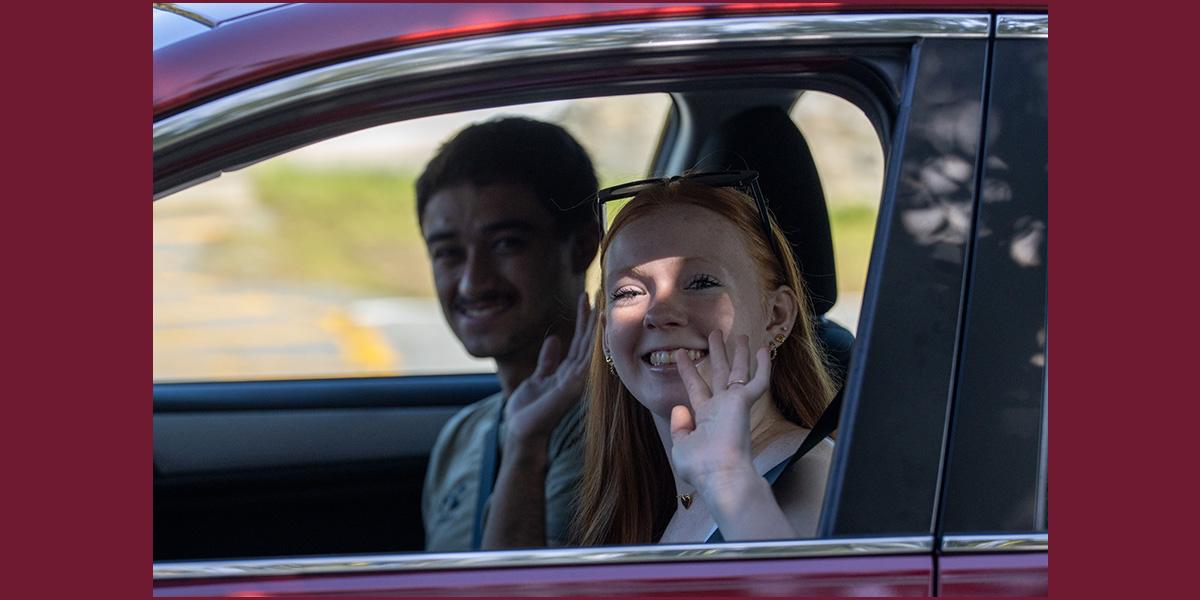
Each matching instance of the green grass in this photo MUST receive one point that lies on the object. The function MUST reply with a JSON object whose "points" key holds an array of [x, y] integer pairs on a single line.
{"points": [[853, 230], [350, 228], [358, 229]]}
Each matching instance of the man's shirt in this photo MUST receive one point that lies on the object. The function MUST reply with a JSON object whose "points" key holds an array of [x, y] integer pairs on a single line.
{"points": [[452, 478]]}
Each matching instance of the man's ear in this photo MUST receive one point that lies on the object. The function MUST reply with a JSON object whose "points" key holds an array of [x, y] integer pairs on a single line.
{"points": [[584, 243], [783, 306]]}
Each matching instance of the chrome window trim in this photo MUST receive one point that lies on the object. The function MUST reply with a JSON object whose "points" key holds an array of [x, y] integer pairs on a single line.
{"points": [[1023, 26], [378, 563], [488, 52], [1027, 542], [1043, 464], [221, 13], [172, 7]]}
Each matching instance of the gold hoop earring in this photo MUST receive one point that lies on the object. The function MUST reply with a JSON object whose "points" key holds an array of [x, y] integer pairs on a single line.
{"points": [[608, 359], [778, 341]]}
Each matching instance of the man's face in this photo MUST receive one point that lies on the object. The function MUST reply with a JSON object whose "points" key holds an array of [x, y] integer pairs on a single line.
{"points": [[503, 275]]}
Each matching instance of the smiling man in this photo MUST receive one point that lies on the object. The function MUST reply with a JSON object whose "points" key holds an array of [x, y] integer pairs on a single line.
{"points": [[504, 212]]}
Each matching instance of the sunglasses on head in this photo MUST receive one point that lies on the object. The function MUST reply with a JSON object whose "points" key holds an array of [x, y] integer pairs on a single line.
{"points": [[744, 181]]}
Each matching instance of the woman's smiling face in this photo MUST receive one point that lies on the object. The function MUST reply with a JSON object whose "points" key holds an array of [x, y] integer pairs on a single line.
{"points": [[671, 277]]}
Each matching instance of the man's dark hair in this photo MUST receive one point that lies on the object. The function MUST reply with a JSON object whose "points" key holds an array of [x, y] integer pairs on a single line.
{"points": [[516, 150]]}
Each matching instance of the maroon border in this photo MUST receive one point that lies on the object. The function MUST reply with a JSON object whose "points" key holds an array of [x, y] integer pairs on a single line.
{"points": [[1066, 576], [78, 408], [1103, 428]]}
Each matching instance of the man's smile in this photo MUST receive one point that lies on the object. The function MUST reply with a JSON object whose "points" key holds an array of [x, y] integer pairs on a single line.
{"points": [[479, 310]]}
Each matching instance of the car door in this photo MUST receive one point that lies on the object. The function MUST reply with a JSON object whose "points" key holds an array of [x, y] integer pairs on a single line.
{"points": [[313, 466], [922, 79], [992, 531]]}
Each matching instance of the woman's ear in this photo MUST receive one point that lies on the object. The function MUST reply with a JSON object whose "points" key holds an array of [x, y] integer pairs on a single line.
{"points": [[783, 306], [584, 243]]}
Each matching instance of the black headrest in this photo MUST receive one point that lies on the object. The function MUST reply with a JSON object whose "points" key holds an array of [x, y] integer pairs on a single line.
{"points": [[766, 140]]}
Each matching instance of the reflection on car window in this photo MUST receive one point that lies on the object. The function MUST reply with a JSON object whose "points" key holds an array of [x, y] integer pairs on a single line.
{"points": [[311, 264]]}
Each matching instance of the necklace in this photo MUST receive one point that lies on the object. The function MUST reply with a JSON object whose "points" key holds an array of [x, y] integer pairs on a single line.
{"points": [[685, 500]]}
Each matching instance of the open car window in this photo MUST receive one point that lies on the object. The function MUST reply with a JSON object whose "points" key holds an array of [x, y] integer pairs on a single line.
{"points": [[311, 264]]}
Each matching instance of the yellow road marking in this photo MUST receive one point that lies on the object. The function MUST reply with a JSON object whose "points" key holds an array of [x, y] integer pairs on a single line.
{"points": [[361, 346]]}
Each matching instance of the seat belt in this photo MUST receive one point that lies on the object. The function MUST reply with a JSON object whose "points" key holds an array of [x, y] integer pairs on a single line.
{"points": [[826, 423], [488, 469]]}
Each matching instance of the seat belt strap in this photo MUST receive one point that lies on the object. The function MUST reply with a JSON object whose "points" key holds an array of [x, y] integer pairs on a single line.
{"points": [[488, 469], [826, 423]]}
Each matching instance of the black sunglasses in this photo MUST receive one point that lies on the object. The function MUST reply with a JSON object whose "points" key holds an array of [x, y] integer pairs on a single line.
{"points": [[745, 181]]}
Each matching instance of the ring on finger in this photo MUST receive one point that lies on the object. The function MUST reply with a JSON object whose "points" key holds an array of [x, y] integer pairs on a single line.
{"points": [[737, 381]]}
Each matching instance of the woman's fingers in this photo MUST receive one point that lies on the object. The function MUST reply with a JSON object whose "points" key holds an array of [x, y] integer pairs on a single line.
{"points": [[682, 422], [696, 388], [739, 368], [761, 382], [718, 363]]}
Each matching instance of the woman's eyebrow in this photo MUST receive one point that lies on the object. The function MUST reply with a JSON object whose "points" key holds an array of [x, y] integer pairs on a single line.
{"points": [[634, 271], [688, 261]]}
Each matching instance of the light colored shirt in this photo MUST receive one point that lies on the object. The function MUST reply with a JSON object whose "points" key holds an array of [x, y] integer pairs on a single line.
{"points": [[452, 477]]}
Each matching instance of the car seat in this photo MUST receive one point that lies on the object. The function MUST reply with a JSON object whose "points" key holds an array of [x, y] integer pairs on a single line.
{"points": [[766, 140]]}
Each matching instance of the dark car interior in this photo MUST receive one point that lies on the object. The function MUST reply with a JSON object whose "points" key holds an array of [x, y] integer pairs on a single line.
{"points": [[266, 468]]}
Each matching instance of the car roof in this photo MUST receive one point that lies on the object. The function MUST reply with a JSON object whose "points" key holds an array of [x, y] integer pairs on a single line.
{"points": [[243, 43], [174, 22]]}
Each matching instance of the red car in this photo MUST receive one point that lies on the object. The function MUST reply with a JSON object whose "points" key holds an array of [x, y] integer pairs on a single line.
{"points": [[273, 481]]}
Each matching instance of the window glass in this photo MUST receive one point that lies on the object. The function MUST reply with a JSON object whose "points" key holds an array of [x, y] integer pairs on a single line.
{"points": [[311, 264], [849, 160], [995, 474]]}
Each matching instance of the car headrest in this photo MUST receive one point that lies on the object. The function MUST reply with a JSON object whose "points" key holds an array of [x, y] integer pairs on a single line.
{"points": [[766, 140]]}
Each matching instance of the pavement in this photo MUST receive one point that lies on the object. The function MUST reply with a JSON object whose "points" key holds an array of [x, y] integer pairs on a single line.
{"points": [[208, 327]]}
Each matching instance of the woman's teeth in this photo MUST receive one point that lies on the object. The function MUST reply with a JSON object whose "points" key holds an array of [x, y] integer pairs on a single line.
{"points": [[667, 357]]}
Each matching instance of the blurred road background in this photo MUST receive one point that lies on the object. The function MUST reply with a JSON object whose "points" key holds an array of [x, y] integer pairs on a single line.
{"points": [[312, 265]]}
